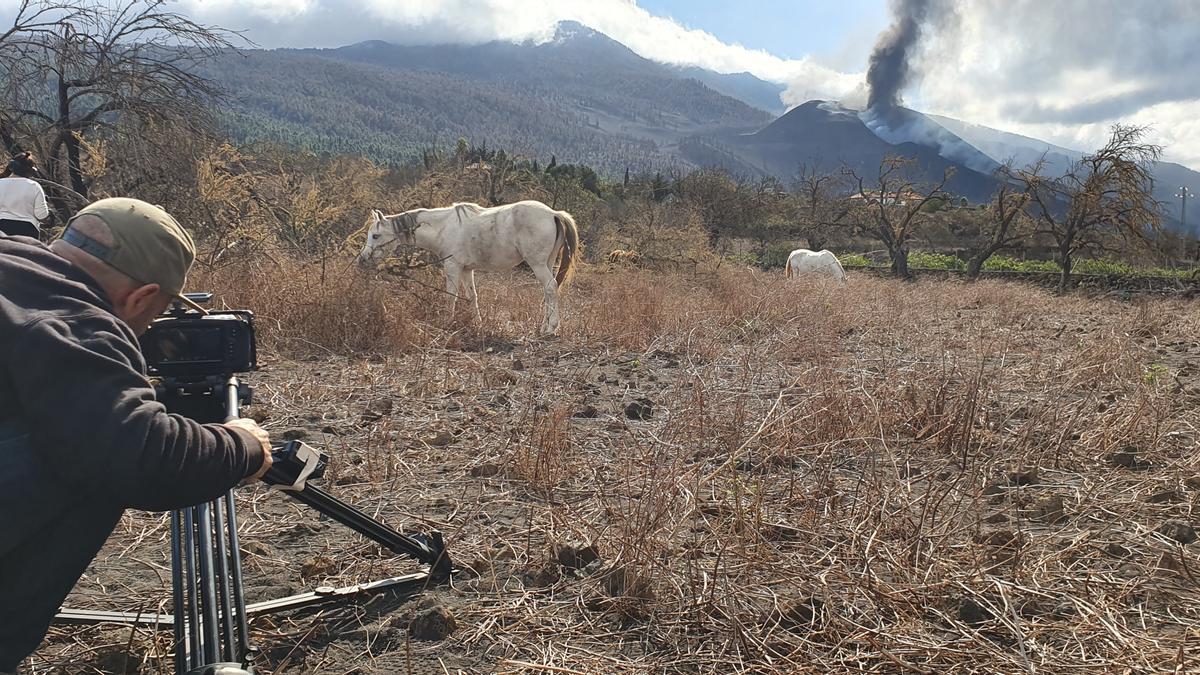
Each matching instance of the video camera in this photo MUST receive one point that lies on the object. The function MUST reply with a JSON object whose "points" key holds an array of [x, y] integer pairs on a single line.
{"points": [[184, 344]]}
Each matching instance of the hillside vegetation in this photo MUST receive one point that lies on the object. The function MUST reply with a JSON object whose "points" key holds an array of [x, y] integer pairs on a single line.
{"points": [[582, 97]]}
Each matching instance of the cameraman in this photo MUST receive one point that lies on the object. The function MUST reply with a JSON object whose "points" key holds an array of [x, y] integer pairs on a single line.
{"points": [[81, 435]]}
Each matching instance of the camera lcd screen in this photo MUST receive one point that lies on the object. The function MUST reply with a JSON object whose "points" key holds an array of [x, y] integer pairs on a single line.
{"points": [[197, 347], [190, 344]]}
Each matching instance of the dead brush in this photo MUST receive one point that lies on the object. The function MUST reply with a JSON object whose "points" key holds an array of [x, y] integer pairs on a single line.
{"points": [[1148, 321], [544, 459], [305, 308], [882, 477], [627, 311], [946, 414]]}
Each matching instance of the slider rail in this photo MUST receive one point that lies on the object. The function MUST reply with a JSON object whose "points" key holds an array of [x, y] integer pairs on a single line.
{"points": [[405, 584], [431, 553]]}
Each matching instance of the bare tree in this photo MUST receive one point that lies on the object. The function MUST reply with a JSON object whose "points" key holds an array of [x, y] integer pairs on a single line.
{"points": [[894, 203], [34, 22], [100, 65], [730, 206], [1006, 223], [821, 205], [1105, 195]]}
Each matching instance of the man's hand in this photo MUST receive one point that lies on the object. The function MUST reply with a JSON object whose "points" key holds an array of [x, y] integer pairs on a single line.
{"points": [[250, 425]]}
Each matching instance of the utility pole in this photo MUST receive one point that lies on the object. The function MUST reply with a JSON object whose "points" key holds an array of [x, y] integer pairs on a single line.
{"points": [[1183, 195]]}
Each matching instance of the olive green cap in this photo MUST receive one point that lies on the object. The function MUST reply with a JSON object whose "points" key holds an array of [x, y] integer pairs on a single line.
{"points": [[148, 245]]}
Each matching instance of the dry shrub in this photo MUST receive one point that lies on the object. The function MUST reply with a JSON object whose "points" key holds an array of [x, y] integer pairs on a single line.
{"points": [[626, 310], [1148, 321], [319, 308], [301, 208], [668, 237], [543, 459]]}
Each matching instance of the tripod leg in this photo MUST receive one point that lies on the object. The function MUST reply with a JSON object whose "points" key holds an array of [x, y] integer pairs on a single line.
{"points": [[177, 582], [245, 651], [208, 585], [191, 601], [223, 583], [358, 521]]}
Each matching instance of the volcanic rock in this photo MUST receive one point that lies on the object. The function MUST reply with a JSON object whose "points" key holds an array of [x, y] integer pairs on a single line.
{"points": [[1178, 530], [576, 554], [433, 623], [640, 409]]}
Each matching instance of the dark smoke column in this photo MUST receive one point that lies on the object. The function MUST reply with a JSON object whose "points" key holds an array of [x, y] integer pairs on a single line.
{"points": [[888, 70]]}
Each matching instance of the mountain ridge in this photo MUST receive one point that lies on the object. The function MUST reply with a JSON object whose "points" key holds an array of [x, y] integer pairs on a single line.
{"points": [[581, 96], [585, 98], [1025, 151]]}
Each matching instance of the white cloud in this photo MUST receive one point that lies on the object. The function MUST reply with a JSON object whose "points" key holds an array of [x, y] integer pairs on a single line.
{"points": [[1065, 71], [329, 23], [270, 10], [811, 80]]}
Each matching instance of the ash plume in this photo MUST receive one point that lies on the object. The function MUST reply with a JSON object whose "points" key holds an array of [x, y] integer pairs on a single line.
{"points": [[889, 65], [888, 73]]}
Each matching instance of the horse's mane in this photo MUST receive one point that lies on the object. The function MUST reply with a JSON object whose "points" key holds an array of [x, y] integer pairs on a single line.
{"points": [[467, 209]]}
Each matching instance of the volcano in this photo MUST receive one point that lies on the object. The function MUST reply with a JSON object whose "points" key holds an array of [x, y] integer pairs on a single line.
{"points": [[828, 136]]}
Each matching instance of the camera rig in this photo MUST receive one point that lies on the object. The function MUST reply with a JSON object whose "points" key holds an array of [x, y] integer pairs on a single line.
{"points": [[196, 358]]}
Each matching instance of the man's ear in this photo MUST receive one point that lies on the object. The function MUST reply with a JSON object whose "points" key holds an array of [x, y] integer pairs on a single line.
{"points": [[142, 299]]}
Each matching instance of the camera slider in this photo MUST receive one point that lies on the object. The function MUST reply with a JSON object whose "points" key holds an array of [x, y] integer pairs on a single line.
{"points": [[295, 463], [210, 618]]}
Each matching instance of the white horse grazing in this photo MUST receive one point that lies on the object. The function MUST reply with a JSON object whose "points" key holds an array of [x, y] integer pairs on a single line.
{"points": [[804, 261], [469, 237]]}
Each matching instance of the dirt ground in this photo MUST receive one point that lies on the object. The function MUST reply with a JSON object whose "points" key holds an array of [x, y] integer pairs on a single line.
{"points": [[730, 474]]}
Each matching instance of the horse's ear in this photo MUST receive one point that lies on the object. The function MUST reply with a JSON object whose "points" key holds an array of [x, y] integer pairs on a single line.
{"points": [[376, 215]]}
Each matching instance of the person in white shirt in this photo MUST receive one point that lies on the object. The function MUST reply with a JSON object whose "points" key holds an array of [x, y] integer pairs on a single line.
{"points": [[22, 201]]}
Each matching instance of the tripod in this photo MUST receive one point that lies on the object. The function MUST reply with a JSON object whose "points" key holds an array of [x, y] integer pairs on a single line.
{"points": [[210, 619]]}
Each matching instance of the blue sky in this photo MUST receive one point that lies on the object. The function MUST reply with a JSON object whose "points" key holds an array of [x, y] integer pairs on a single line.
{"points": [[839, 33]]}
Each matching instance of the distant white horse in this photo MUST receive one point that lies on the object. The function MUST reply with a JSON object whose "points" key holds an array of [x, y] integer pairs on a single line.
{"points": [[803, 261], [469, 237]]}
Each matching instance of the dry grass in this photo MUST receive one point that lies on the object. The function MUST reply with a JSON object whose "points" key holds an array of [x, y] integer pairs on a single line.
{"points": [[886, 477]]}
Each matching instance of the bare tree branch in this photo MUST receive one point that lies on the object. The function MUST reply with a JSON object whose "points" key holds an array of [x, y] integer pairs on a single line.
{"points": [[821, 205], [1104, 196], [107, 65], [1006, 224], [895, 204]]}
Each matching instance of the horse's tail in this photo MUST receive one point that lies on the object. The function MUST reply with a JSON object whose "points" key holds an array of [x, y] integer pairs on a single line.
{"points": [[569, 234], [788, 268]]}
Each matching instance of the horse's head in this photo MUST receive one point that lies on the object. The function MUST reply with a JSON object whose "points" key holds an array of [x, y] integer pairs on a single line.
{"points": [[385, 233]]}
